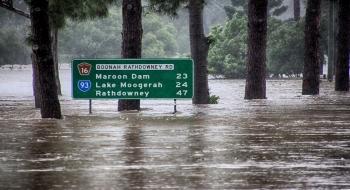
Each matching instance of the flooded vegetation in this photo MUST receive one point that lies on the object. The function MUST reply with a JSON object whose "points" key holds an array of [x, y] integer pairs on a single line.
{"points": [[288, 141]]}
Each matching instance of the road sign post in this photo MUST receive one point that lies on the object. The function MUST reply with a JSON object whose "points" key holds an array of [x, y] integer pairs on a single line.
{"points": [[132, 79]]}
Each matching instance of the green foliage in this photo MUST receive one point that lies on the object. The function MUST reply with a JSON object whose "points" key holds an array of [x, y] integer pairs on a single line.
{"points": [[159, 37], [168, 7], [60, 10], [227, 53], [275, 8], [13, 29], [285, 47], [213, 99], [285, 52], [101, 38], [12, 49], [98, 38]]}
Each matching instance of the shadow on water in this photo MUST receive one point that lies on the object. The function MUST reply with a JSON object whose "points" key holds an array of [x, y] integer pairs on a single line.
{"points": [[46, 155], [133, 155], [196, 154]]}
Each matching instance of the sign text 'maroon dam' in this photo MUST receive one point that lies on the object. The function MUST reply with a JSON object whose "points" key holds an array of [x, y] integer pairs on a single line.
{"points": [[132, 78]]}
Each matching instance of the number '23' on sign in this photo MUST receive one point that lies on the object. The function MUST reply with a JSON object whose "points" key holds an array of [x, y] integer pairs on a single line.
{"points": [[84, 85]]}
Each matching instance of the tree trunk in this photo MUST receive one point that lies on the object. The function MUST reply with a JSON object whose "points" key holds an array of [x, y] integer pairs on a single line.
{"points": [[50, 105], [132, 41], [296, 10], [311, 73], [54, 37], [36, 83], [199, 52], [331, 39], [342, 64], [321, 60], [256, 62]]}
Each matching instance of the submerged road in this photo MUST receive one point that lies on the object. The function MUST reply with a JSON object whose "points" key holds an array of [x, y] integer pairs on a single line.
{"points": [[285, 142]]}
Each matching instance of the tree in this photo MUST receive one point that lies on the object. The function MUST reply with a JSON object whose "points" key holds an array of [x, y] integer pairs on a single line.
{"points": [[132, 41], [159, 38], [12, 49], [60, 10], [296, 9], [311, 73], [331, 38], [342, 64], [328, 28], [36, 85], [91, 38], [198, 41], [50, 105], [101, 35], [285, 52], [9, 5], [228, 52], [256, 61], [285, 49], [199, 52], [275, 8], [36, 82], [13, 22]]}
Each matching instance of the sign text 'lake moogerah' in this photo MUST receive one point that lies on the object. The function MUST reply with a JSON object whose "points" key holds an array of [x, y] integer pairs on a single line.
{"points": [[132, 78]]}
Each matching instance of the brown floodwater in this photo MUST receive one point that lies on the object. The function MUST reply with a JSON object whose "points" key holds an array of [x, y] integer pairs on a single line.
{"points": [[288, 141]]}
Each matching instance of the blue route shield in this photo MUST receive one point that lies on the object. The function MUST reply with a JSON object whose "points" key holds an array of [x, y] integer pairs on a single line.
{"points": [[84, 85]]}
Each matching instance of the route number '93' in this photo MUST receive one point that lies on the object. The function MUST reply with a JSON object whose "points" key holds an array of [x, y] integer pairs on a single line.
{"points": [[84, 85]]}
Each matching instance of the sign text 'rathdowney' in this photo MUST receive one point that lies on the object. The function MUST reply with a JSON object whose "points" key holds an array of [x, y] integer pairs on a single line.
{"points": [[132, 78]]}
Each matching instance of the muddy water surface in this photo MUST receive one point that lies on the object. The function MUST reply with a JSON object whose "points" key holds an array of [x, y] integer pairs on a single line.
{"points": [[285, 142]]}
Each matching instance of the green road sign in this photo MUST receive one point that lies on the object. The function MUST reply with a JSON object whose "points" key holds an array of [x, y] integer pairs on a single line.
{"points": [[132, 78]]}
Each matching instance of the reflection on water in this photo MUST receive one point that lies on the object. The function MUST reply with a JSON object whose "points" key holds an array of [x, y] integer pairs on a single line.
{"points": [[133, 155], [285, 142]]}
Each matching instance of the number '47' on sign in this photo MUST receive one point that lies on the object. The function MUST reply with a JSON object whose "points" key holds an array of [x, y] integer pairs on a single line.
{"points": [[182, 92]]}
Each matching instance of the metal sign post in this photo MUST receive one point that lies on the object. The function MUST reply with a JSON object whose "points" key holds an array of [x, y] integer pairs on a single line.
{"points": [[132, 79], [90, 106], [175, 106]]}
